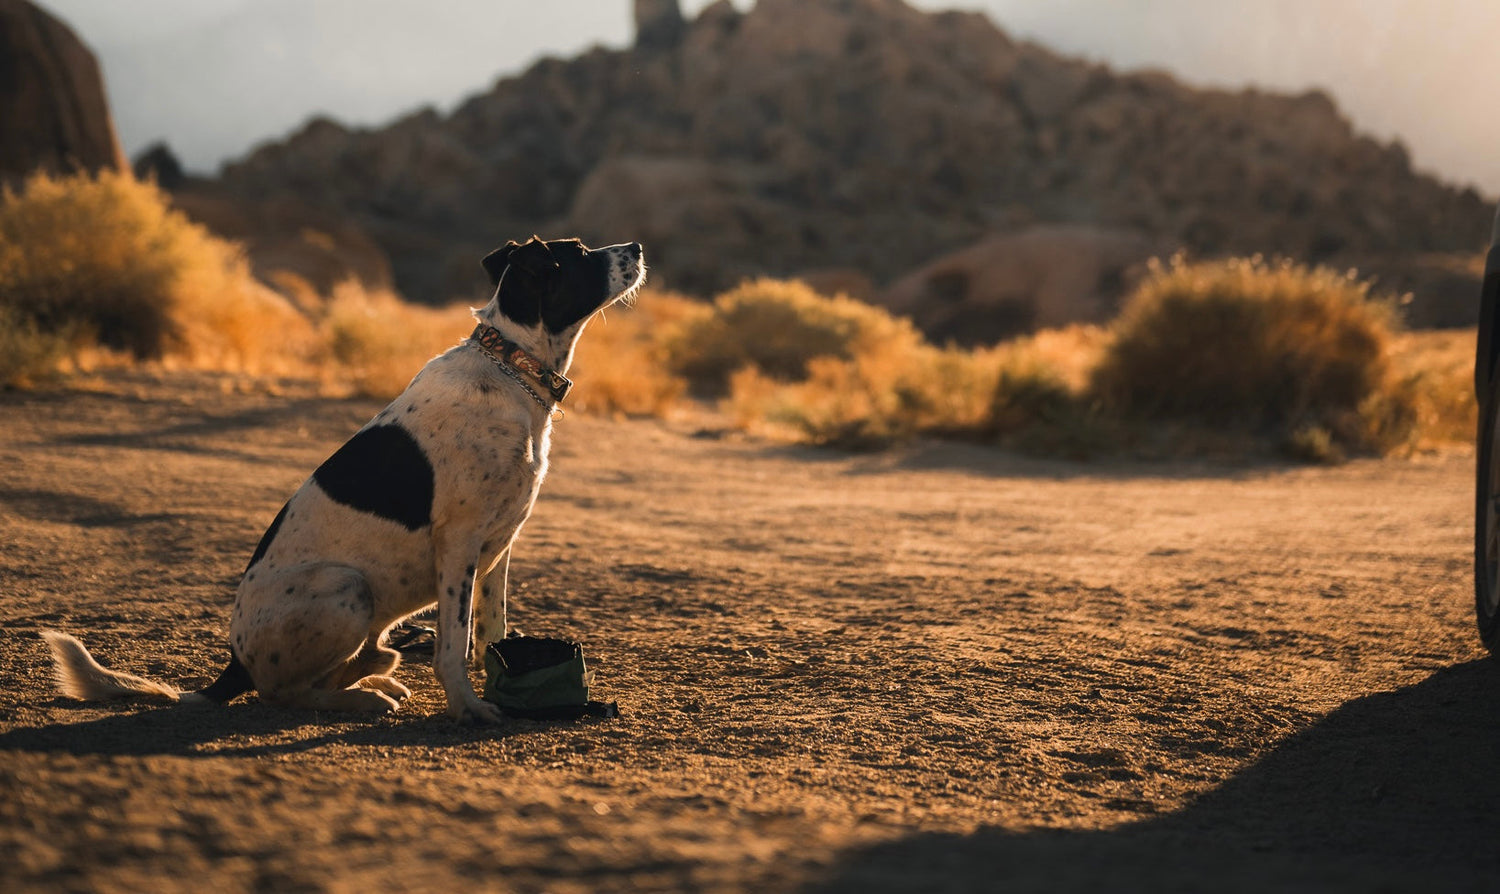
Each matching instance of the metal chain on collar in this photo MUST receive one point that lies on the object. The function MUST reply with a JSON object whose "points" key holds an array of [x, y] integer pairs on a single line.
{"points": [[505, 368], [516, 375]]}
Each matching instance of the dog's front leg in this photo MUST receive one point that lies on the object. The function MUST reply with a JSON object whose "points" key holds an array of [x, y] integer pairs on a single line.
{"points": [[455, 635], [489, 613]]}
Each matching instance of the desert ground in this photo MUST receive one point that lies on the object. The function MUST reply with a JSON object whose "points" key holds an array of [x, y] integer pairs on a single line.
{"points": [[941, 667]]}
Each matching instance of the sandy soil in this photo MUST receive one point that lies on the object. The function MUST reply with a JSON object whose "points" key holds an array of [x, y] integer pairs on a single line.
{"points": [[942, 668]]}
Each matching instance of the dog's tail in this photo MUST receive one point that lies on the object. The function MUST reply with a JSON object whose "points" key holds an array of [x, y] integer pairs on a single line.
{"points": [[81, 677]]}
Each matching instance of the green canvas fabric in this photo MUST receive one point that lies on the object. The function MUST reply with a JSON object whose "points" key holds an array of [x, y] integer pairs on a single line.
{"points": [[515, 687]]}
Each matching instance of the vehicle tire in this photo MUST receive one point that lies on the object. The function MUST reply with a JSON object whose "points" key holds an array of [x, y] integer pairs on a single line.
{"points": [[1487, 521]]}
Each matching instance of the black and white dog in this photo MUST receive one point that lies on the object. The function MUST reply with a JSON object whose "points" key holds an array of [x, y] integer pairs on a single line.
{"points": [[420, 506]]}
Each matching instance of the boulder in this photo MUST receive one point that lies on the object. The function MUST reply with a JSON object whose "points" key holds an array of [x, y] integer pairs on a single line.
{"points": [[658, 24], [1009, 284], [159, 163], [52, 100]]}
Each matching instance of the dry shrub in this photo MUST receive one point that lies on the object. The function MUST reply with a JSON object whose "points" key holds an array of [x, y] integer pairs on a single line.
{"points": [[778, 327], [1070, 353], [28, 354], [863, 402], [620, 365], [223, 319], [1298, 353], [1433, 376], [1203, 353], [104, 259], [97, 253], [830, 370], [895, 386], [375, 342]]}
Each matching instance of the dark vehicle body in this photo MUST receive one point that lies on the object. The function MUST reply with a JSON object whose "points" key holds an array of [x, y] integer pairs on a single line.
{"points": [[1487, 472]]}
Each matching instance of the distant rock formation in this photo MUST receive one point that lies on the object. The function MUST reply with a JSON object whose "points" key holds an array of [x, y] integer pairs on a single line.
{"points": [[857, 135], [53, 111], [1012, 283], [658, 25], [159, 163]]}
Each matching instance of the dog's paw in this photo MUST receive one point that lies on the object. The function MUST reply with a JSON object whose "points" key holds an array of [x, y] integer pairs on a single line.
{"points": [[476, 711], [387, 684]]}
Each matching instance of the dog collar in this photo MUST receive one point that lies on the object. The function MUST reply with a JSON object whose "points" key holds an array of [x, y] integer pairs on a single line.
{"points": [[515, 362]]}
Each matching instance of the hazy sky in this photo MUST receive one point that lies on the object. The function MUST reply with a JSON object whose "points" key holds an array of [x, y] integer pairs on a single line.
{"points": [[213, 77]]}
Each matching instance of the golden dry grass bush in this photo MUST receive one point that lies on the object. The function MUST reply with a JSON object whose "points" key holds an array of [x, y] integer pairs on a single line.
{"points": [[1433, 376], [373, 342], [103, 266], [879, 381], [778, 327], [105, 260], [1273, 349], [29, 354], [866, 401], [620, 366]]}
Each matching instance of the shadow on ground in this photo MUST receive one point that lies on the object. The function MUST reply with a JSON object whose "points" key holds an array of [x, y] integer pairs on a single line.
{"points": [[250, 729], [1391, 792]]}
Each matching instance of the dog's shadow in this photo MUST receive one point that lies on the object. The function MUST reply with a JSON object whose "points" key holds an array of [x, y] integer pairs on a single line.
{"points": [[246, 729]]}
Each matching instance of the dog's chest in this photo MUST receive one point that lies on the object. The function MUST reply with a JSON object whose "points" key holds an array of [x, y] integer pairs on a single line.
{"points": [[488, 461]]}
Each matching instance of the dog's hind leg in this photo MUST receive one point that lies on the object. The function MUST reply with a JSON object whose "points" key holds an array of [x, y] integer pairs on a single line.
{"points": [[301, 633], [389, 685], [373, 659], [371, 669]]}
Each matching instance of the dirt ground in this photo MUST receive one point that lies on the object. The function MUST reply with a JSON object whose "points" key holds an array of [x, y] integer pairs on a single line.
{"points": [[939, 668]]}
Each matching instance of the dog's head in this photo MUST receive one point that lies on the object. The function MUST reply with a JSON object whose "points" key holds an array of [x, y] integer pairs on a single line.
{"points": [[556, 286]]}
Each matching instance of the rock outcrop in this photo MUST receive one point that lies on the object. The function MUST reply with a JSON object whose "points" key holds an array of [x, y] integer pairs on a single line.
{"points": [[658, 25], [53, 111], [859, 135], [1011, 283]]}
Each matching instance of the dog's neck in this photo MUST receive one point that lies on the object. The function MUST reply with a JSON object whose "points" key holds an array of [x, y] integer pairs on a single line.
{"points": [[535, 358], [545, 385], [553, 351]]}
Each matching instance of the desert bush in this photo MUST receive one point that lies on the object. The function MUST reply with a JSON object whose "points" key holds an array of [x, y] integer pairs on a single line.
{"points": [[863, 402], [830, 370], [28, 354], [778, 327], [620, 365], [1433, 377], [373, 343], [102, 266], [104, 259], [889, 392], [1252, 346]]}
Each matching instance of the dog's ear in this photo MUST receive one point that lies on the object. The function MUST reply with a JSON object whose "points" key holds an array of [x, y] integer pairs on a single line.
{"points": [[529, 271], [535, 257], [496, 261]]}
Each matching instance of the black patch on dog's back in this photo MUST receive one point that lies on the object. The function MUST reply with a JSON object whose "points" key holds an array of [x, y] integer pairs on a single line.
{"points": [[384, 472], [266, 538]]}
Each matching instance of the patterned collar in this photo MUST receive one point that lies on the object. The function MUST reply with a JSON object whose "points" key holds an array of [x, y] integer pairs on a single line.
{"points": [[515, 362]]}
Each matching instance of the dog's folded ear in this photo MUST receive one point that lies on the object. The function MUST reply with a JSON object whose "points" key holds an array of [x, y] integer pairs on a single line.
{"points": [[534, 257], [496, 261]]}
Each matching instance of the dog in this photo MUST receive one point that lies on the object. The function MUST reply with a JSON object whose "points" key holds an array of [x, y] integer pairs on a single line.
{"points": [[420, 506]]}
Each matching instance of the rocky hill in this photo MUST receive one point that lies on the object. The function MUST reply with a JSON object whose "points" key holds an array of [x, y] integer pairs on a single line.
{"points": [[53, 112], [831, 136]]}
